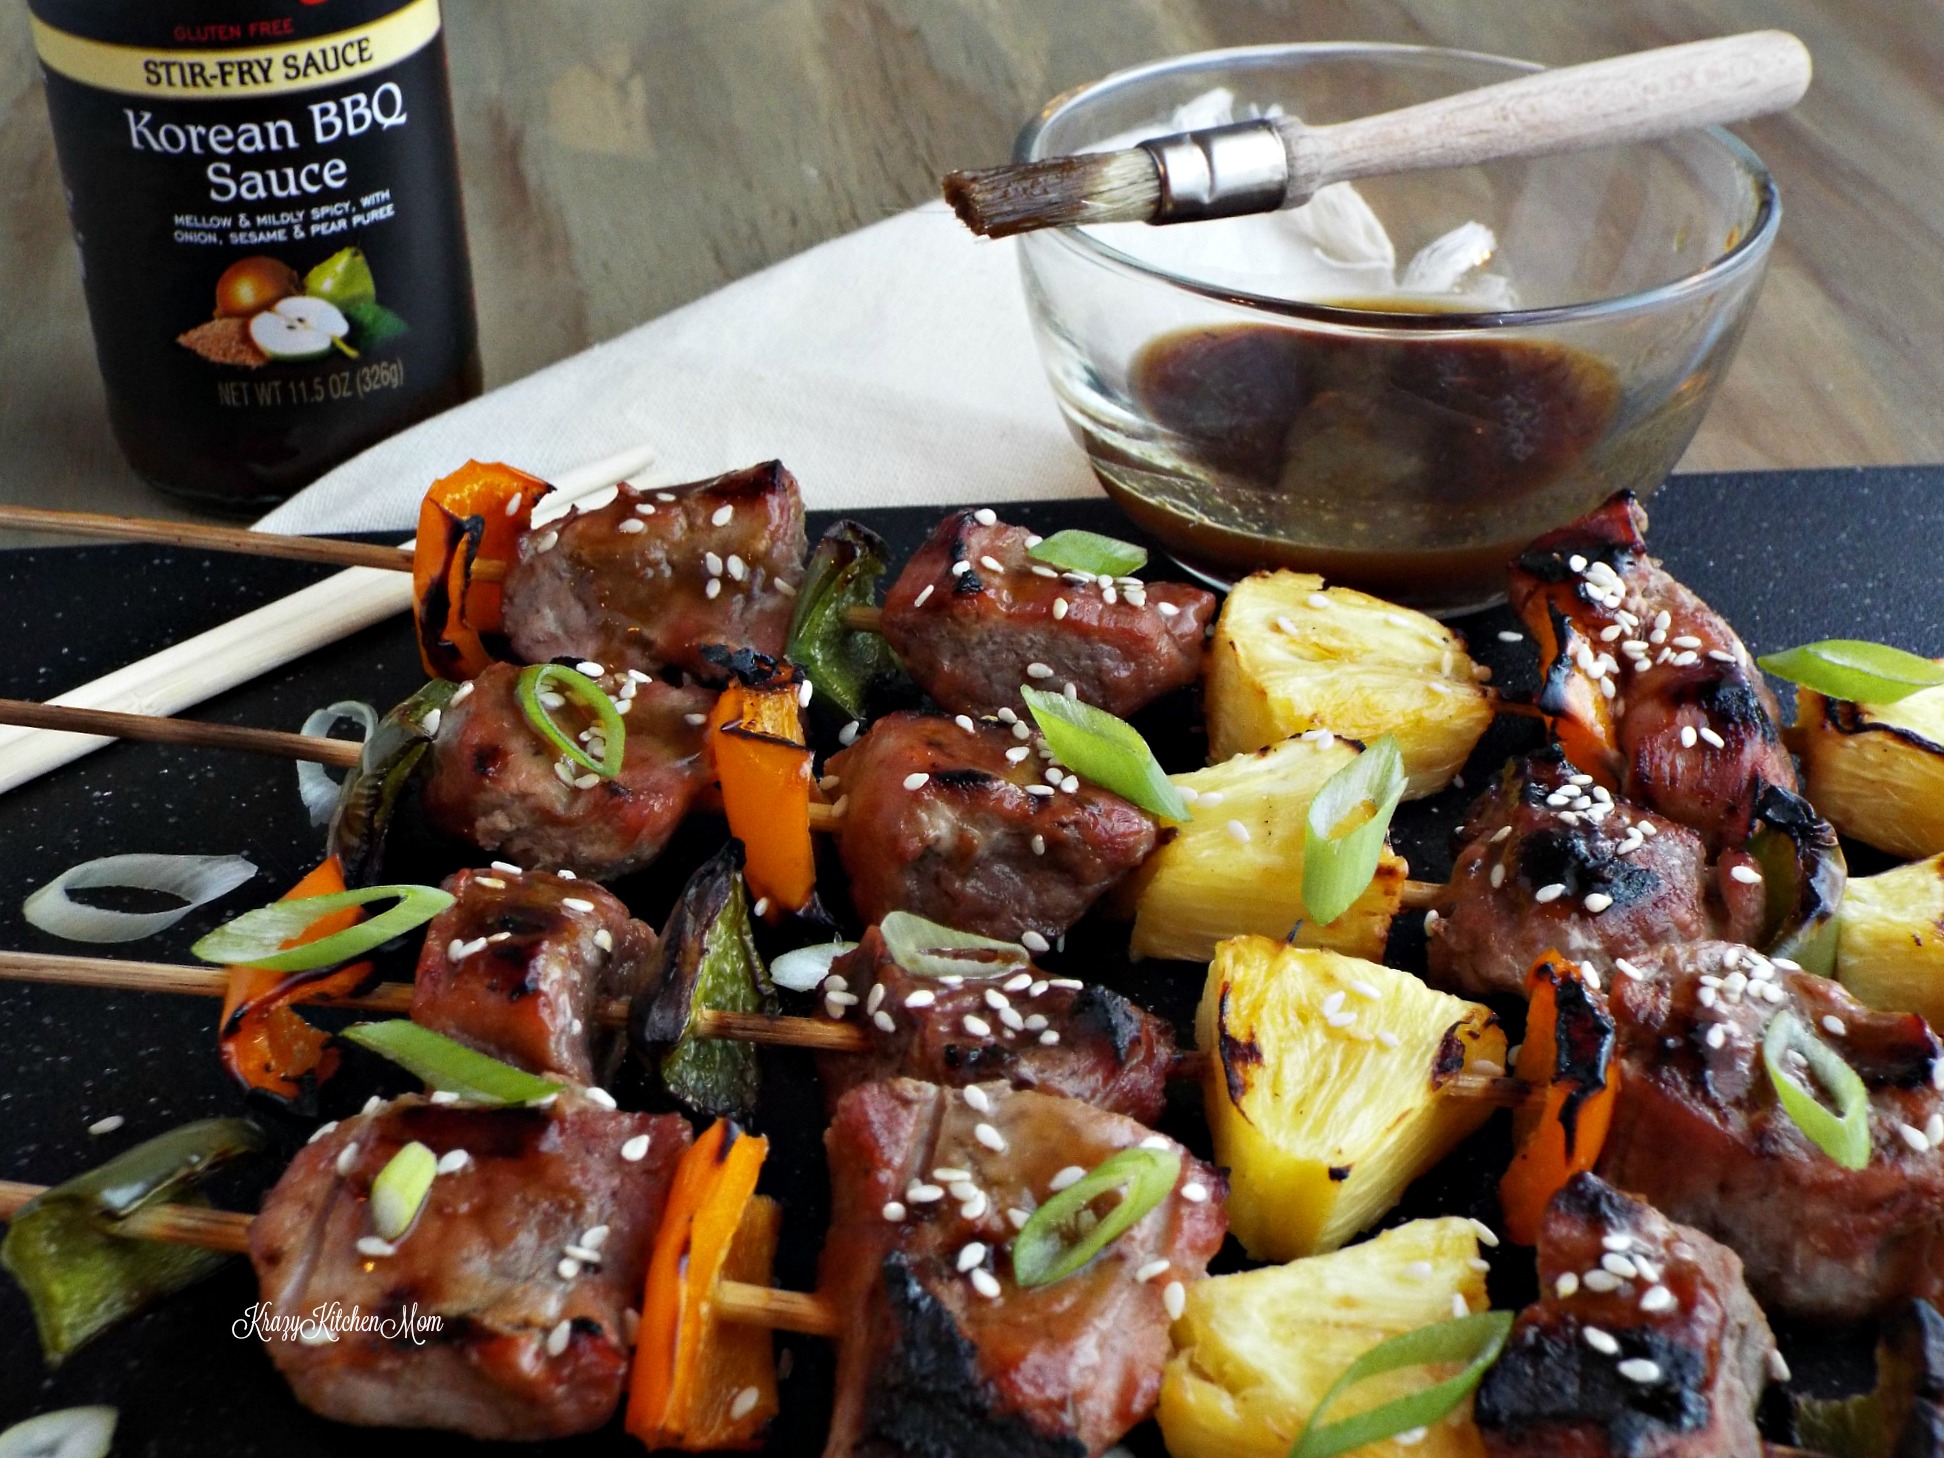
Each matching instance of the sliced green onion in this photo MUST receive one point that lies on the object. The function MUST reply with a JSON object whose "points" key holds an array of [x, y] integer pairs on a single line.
{"points": [[928, 949], [1844, 1135], [398, 1194], [68, 1432], [1863, 673], [450, 1066], [1343, 834], [1054, 1243], [1475, 1340], [1108, 751], [1073, 551], [588, 694], [257, 938]]}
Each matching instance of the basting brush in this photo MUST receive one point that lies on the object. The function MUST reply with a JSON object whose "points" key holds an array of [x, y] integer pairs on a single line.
{"points": [[1261, 166]]}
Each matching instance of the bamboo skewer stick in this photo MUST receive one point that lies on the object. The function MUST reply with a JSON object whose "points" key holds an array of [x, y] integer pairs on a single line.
{"points": [[345, 754], [229, 1231], [331, 551]]}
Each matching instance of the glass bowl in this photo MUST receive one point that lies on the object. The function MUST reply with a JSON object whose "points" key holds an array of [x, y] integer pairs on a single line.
{"points": [[1402, 384]]}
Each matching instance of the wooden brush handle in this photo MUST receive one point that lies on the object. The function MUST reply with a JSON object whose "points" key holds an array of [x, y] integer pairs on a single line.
{"points": [[1632, 98]]}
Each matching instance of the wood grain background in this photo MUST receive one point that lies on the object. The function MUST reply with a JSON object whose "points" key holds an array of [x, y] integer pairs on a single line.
{"points": [[623, 157]]}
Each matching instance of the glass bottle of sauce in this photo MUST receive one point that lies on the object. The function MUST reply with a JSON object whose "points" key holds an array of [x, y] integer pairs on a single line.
{"points": [[265, 194]]}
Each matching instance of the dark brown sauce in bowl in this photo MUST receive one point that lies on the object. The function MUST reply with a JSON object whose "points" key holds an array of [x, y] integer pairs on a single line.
{"points": [[1414, 465]]}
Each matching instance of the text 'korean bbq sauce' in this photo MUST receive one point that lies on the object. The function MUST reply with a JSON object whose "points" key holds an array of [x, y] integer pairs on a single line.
{"points": [[266, 198], [1309, 449]]}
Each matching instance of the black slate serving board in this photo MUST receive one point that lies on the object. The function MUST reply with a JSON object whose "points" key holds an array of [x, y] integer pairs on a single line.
{"points": [[1788, 557]]}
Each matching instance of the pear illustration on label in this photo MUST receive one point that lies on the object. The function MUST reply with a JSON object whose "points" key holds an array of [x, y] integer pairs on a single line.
{"points": [[300, 328], [268, 313]]}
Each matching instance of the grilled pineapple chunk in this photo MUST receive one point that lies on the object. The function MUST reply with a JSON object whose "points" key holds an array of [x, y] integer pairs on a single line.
{"points": [[1890, 940], [1209, 881], [1876, 771], [1323, 1089], [1290, 655], [1255, 1352]]}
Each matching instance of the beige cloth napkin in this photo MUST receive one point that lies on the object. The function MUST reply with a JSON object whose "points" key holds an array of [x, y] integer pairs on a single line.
{"points": [[891, 366]]}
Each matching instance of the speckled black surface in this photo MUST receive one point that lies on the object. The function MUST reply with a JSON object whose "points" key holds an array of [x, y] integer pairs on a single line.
{"points": [[1787, 557]]}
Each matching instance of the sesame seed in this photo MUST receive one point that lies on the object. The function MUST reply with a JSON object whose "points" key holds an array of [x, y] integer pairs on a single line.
{"points": [[1167, 609], [108, 1125], [1017, 1217], [920, 998], [990, 1137], [601, 1097], [1032, 941], [576, 903], [558, 1338], [920, 1193], [986, 516], [1043, 791], [977, 1099], [1833, 1024], [1617, 1241], [961, 1188], [1914, 1137], [1174, 1299], [1237, 832], [721, 515], [1195, 1192], [1597, 902], [973, 1253], [1656, 1299], [1620, 1265], [1152, 1269], [1600, 1341], [713, 589], [924, 595], [960, 568], [1601, 1281], [1567, 1285], [1071, 1175], [1387, 1038], [842, 999], [745, 1403], [1747, 875], [1497, 876], [1486, 1235], [1038, 670], [347, 1159], [371, 1245], [1049, 1038], [978, 1027], [1550, 893], [985, 1284], [635, 1149], [893, 1210], [1639, 1369], [917, 780], [1713, 738], [1688, 736], [1109, 595], [568, 1268], [884, 1022], [1778, 1366], [991, 564]]}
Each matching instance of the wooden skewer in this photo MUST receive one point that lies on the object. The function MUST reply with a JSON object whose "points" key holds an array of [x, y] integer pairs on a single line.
{"points": [[345, 754], [821, 1035], [229, 1231]]}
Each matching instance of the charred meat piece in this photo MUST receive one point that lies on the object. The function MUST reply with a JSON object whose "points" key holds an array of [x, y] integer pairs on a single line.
{"points": [[525, 1347], [495, 783], [943, 821], [519, 967], [943, 1355], [973, 617], [1553, 862], [1650, 689], [1644, 1341], [1053, 1035], [654, 576], [1697, 1129]]}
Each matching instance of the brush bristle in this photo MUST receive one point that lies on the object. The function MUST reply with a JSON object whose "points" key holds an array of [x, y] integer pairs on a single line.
{"points": [[1094, 187]]}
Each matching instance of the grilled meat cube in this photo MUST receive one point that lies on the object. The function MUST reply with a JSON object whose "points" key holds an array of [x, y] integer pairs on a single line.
{"points": [[1652, 690], [1626, 878], [1052, 1035], [654, 576], [526, 1347], [1697, 1129], [942, 1354], [497, 784], [940, 823], [1668, 1362], [974, 617], [520, 964]]}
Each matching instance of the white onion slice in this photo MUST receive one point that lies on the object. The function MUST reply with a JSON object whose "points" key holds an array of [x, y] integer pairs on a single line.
{"points": [[70, 1432], [198, 880], [805, 968], [314, 782]]}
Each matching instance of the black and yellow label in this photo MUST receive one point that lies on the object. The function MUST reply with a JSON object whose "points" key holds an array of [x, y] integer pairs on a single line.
{"points": [[250, 71]]}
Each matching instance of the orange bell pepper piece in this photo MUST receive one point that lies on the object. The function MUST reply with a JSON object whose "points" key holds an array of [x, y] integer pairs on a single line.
{"points": [[477, 514], [1567, 1064], [761, 759], [1579, 712], [263, 1043], [700, 1384]]}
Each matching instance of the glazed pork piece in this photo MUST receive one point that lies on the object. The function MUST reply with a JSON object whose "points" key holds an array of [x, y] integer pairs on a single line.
{"points": [[942, 819], [974, 617], [495, 783], [651, 578], [1644, 1342], [1553, 862], [943, 1355], [520, 964], [1651, 689], [1054, 1035], [531, 1342], [1698, 1131]]}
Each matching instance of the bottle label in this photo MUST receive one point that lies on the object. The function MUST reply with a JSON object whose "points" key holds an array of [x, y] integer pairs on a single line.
{"points": [[267, 208]]}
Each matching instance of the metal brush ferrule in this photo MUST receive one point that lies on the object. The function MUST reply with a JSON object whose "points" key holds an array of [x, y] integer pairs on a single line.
{"points": [[1220, 172]]}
